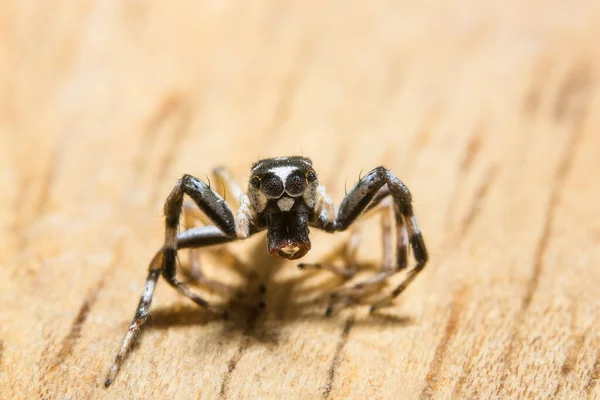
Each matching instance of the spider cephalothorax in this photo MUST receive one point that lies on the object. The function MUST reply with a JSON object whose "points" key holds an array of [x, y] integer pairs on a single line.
{"points": [[285, 198], [282, 193]]}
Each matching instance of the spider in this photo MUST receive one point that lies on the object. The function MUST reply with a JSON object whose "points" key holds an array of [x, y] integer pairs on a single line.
{"points": [[285, 198]]}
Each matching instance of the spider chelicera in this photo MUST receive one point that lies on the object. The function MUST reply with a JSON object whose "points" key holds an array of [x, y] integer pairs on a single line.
{"points": [[285, 198]]}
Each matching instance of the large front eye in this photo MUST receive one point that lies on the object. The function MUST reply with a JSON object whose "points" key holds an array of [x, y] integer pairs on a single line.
{"points": [[295, 184], [272, 186]]}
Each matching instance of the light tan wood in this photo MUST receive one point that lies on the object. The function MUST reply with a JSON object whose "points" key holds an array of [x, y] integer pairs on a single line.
{"points": [[488, 111]]}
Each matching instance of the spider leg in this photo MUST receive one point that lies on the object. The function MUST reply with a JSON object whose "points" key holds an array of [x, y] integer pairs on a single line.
{"points": [[192, 215], [387, 214], [350, 248], [408, 232], [388, 267], [348, 253], [197, 237], [193, 218], [216, 210], [349, 294], [225, 179], [165, 260], [368, 193], [141, 314]]}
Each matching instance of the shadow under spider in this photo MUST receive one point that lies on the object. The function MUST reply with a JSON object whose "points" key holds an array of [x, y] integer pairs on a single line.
{"points": [[263, 325]]}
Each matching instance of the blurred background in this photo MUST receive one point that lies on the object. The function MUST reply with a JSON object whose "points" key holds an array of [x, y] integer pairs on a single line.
{"points": [[488, 111]]}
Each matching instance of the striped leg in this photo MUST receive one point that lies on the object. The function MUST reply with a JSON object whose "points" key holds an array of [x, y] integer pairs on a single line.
{"points": [[420, 254], [165, 260], [348, 295], [215, 209], [197, 237], [225, 180], [369, 193], [194, 217], [141, 314]]}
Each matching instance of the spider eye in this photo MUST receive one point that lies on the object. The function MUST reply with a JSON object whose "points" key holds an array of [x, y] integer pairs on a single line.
{"points": [[295, 185], [272, 186], [255, 182], [311, 176]]}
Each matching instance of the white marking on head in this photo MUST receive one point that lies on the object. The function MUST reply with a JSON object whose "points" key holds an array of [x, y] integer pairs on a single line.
{"points": [[285, 203], [283, 172]]}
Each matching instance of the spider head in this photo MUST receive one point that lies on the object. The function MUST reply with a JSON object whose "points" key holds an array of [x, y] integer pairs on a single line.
{"points": [[287, 182], [282, 192]]}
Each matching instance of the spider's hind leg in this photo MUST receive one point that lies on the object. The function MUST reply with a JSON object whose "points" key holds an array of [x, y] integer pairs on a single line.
{"points": [[347, 252], [353, 293], [415, 238], [226, 181], [194, 270], [194, 218]]}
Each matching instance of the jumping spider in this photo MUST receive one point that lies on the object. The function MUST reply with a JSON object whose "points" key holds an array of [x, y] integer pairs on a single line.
{"points": [[285, 198]]}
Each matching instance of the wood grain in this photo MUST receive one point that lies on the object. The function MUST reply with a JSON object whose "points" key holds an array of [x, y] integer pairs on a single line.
{"points": [[488, 111]]}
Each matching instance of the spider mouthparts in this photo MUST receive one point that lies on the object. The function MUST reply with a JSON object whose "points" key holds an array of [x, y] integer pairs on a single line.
{"points": [[287, 234], [290, 250]]}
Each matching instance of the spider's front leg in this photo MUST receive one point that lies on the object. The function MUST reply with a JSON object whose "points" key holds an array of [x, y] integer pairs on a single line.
{"points": [[194, 217], [164, 262], [369, 192], [213, 206]]}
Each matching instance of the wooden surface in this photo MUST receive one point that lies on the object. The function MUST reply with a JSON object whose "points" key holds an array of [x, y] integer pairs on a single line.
{"points": [[489, 112]]}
